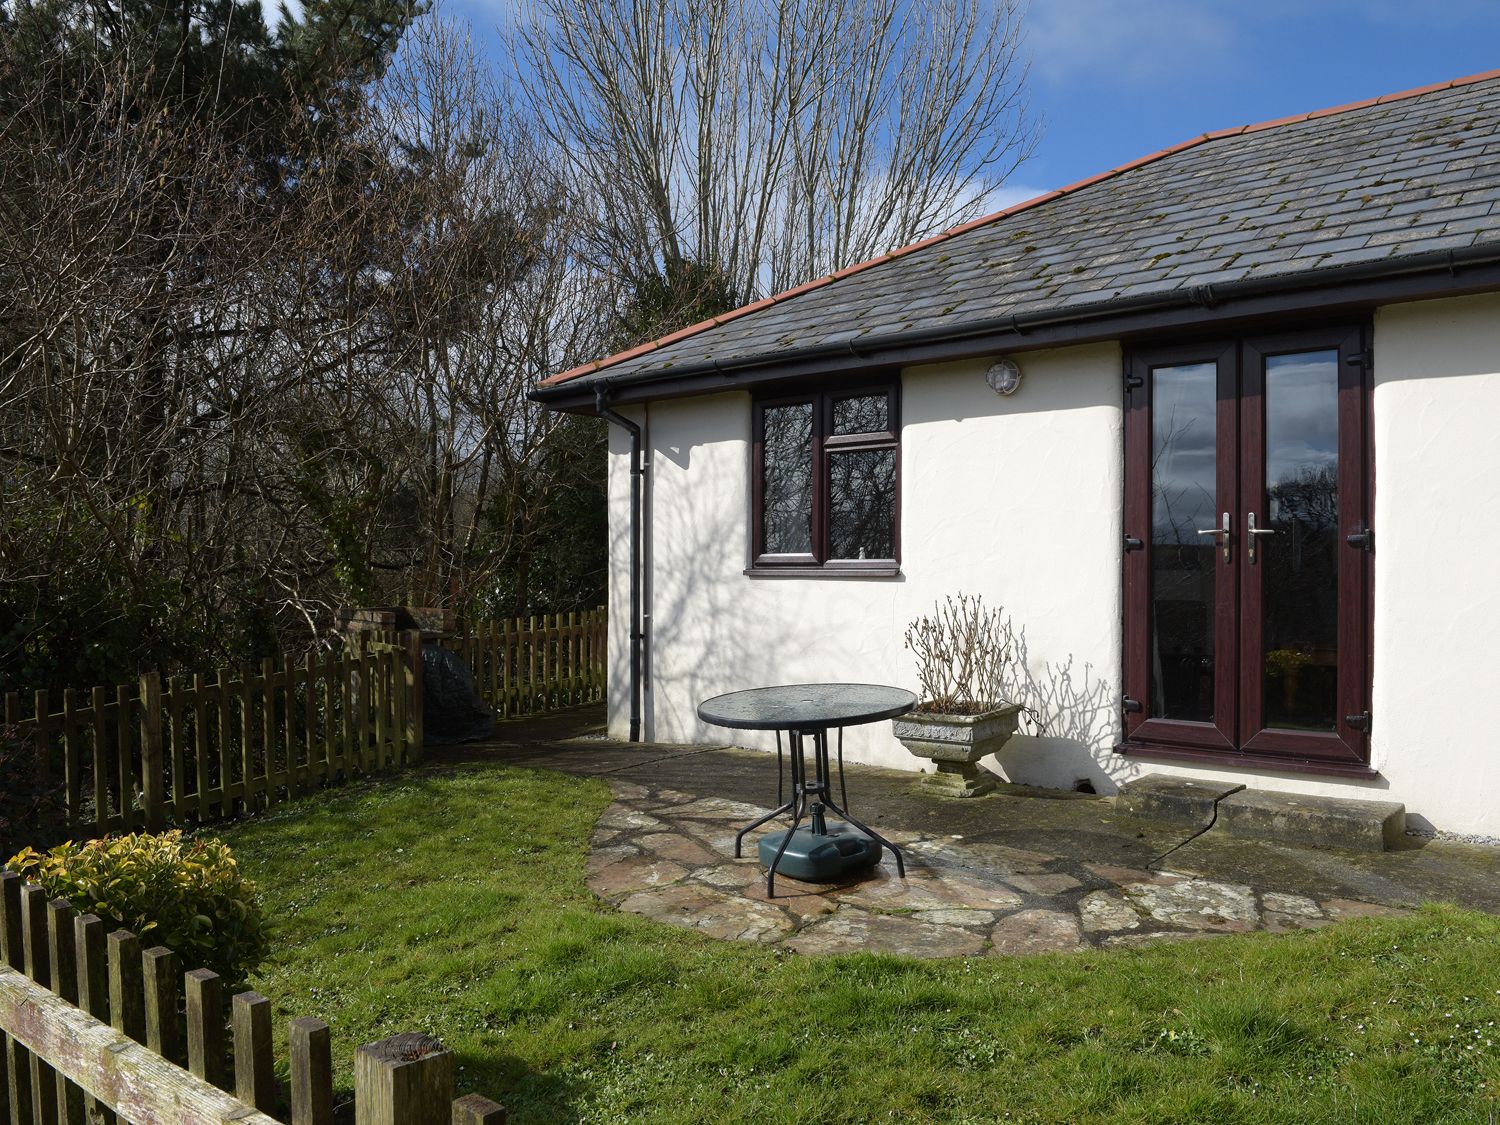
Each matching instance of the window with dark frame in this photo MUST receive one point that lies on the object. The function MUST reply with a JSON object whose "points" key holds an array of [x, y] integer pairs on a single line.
{"points": [[826, 481]]}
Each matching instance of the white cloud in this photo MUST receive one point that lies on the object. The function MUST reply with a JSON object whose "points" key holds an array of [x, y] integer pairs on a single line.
{"points": [[1136, 41]]}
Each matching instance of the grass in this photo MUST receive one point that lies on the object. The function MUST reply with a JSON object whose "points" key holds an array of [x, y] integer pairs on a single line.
{"points": [[453, 902]]}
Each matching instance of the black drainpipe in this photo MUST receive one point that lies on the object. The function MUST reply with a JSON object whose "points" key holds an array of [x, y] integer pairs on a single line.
{"points": [[601, 402]]}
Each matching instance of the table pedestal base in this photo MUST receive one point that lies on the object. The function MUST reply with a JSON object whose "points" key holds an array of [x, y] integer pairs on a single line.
{"points": [[801, 805], [819, 857]]}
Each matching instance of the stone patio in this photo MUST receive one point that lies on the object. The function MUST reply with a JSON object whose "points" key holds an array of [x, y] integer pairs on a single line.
{"points": [[669, 855], [1019, 871]]}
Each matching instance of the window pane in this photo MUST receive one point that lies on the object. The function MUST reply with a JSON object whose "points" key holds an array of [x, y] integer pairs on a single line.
{"points": [[864, 414], [1300, 582], [862, 505], [1183, 563], [786, 488]]}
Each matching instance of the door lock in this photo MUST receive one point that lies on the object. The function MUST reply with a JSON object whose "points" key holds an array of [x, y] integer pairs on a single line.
{"points": [[1251, 531], [1224, 531]]}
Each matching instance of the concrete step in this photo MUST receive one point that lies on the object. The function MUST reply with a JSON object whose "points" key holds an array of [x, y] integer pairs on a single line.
{"points": [[1290, 818], [1172, 800], [1340, 822]]}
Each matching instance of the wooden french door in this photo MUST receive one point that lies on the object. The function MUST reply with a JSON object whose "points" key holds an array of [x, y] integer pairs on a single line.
{"points": [[1247, 549]]}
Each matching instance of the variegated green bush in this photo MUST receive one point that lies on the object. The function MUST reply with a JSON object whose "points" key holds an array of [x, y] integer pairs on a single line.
{"points": [[188, 895]]}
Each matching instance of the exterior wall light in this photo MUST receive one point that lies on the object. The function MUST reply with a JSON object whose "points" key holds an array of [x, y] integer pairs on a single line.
{"points": [[1004, 377]]}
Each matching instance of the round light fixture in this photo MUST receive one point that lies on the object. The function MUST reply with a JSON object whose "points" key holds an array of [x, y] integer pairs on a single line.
{"points": [[1004, 377]]}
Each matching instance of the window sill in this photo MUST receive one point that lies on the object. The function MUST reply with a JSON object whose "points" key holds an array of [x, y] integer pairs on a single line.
{"points": [[1262, 763], [823, 571]]}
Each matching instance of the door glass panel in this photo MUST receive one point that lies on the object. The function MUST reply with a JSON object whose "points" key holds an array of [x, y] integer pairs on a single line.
{"points": [[1183, 563], [1299, 578], [788, 480]]}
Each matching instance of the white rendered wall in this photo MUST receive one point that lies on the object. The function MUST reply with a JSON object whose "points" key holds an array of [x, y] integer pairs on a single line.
{"points": [[1016, 499], [1019, 499]]}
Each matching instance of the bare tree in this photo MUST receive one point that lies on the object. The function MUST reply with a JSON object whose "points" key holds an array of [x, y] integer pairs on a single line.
{"points": [[769, 141], [232, 403]]}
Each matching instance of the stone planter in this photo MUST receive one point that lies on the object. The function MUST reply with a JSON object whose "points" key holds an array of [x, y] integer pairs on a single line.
{"points": [[955, 743]]}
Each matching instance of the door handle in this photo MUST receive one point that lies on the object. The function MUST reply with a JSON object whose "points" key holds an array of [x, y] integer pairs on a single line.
{"points": [[1224, 531], [1251, 531]]}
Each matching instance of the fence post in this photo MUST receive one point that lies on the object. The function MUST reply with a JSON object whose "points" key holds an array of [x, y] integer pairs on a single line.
{"points": [[205, 1026], [160, 968], [13, 953], [404, 1080], [153, 761], [413, 660], [62, 952], [127, 988], [93, 986], [39, 969], [312, 1073], [254, 1078]]}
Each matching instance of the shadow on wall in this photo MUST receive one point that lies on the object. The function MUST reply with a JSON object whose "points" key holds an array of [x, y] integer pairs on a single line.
{"points": [[712, 629], [693, 609], [1080, 710]]}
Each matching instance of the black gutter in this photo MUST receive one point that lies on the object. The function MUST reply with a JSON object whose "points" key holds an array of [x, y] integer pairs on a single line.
{"points": [[1198, 296], [637, 637]]}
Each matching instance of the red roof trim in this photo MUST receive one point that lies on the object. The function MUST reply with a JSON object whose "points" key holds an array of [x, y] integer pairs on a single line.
{"points": [[963, 228]]}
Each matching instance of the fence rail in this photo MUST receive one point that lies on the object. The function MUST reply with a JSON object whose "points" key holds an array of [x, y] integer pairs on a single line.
{"points": [[201, 748], [94, 1028], [528, 665]]}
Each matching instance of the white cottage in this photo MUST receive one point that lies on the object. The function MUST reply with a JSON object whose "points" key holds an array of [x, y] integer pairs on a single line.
{"points": [[1220, 428]]}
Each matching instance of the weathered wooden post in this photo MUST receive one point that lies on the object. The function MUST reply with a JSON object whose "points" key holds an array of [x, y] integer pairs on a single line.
{"points": [[13, 953], [39, 969], [93, 987], [412, 643], [205, 1026], [162, 974], [62, 952], [312, 1073], [404, 1080], [153, 761], [254, 1078], [127, 989]]}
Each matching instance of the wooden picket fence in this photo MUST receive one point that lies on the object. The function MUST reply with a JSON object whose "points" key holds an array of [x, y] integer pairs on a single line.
{"points": [[199, 748], [527, 665], [93, 1028]]}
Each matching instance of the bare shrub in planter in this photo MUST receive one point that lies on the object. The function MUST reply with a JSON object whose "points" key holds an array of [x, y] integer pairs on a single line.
{"points": [[966, 654]]}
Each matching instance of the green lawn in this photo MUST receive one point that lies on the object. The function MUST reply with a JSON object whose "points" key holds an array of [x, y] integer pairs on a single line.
{"points": [[453, 902]]}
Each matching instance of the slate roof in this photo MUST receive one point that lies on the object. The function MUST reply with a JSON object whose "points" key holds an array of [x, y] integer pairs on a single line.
{"points": [[1377, 181]]}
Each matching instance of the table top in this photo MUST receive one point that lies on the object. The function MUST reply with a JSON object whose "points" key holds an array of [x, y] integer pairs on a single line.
{"points": [[806, 706]]}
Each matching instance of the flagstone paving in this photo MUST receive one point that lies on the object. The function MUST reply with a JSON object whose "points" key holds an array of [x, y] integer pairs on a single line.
{"points": [[1018, 871], [669, 855]]}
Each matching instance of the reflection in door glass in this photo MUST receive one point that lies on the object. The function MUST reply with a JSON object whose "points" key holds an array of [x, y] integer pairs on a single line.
{"points": [[1299, 580], [1183, 563]]}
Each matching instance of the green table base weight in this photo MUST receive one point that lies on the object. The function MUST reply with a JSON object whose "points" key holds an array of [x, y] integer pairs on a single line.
{"points": [[824, 853]]}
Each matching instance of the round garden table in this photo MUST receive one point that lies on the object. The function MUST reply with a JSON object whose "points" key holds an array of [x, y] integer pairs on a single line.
{"points": [[808, 711]]}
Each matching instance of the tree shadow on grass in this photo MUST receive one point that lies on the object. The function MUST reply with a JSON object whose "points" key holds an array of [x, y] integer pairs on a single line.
{"points": [[528, 1095]]}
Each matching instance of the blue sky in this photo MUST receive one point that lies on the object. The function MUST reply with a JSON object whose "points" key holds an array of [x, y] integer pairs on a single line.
{"points": [[1116, 79]]}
